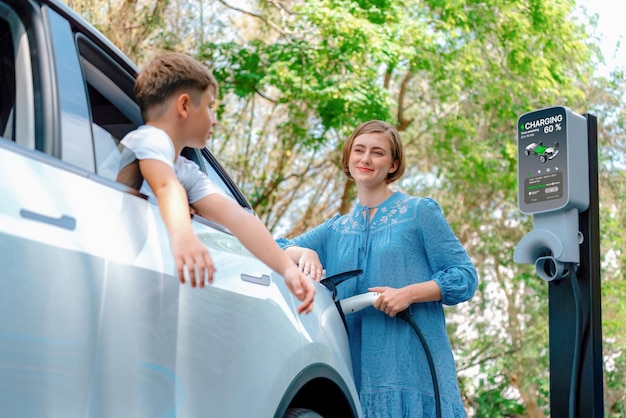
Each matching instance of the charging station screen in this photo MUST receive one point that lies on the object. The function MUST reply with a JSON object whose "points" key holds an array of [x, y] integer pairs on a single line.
{"points": [[542, 161], [542, 188]]}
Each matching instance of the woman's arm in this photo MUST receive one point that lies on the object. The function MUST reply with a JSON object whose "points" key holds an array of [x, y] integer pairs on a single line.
{"points": [[453, 270], [392, 300]]}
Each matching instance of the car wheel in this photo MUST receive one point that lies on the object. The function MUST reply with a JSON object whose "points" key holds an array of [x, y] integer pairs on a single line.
{"points": [[543, 158], [301, 413]]}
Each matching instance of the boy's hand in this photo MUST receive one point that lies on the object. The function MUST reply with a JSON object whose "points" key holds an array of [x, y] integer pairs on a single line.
{"points": [[192, 258], [193, 261], [302, 287], [257, 239]]}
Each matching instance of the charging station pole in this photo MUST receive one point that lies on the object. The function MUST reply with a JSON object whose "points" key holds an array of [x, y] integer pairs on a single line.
{"points": [[558, 185], [562, 313]]}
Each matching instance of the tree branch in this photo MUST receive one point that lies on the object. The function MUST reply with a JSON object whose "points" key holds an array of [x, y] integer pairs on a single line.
{"points": [[282, 7], [258, 16], [403, 123], [269, 99]]}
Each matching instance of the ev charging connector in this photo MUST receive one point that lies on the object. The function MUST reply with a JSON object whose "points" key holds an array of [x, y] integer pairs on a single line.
{"points": [[553, 186]]}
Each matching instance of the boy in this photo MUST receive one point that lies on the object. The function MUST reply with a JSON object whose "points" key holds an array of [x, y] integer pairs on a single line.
{"points": [[176, 95]]}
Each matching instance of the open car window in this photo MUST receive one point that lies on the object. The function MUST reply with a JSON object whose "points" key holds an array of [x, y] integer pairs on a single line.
{"points": [[7, 80], [16, 87], [114, 113]]}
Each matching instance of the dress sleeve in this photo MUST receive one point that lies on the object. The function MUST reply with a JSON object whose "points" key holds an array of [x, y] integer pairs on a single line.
{"points": [[315, 239], [452, 268]]}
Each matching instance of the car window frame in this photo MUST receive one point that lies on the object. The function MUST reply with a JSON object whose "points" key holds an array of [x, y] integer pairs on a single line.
{"points": [[23, 124], [103, 73]]}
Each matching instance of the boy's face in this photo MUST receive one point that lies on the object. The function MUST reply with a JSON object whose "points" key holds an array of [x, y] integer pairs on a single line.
{"points": [[201, 120]]}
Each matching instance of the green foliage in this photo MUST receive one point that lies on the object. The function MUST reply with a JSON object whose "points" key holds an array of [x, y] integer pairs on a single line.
{"points": [[239, 68], [291, 73], [453, 75], [490, 403]]}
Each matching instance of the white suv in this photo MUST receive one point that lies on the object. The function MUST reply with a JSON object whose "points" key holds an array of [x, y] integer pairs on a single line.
{"points": [[93, 321]]}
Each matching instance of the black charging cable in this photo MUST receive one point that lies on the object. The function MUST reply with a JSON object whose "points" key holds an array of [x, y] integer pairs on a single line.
{"points": [[569, 272], [406, 316], [573, 389]]}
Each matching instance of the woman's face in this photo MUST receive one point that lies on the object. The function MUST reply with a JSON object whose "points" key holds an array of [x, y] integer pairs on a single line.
{"points": [[371, 159]]}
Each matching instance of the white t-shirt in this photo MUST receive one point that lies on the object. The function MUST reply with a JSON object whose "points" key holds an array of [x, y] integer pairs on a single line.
{"points": [[151, 143]]}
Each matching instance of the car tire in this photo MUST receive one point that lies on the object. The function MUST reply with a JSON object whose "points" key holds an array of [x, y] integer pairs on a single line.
{"points": [[542, 158], [301, 413]]}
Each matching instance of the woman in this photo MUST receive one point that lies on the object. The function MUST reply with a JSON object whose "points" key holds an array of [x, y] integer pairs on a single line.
{"points": [[408, 254]]}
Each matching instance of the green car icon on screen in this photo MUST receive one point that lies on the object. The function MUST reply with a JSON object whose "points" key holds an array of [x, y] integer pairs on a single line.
{"points": [[543, 152]]}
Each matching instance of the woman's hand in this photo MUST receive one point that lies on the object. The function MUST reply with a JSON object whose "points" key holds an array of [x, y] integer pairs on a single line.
{"points": [[391, 301], [309, 263]]}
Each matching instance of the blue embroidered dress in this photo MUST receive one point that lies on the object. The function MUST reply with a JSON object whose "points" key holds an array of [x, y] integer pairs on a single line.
{"points": [[407, 241]]}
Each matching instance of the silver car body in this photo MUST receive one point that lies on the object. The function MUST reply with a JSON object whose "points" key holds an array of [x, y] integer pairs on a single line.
{"points": [[93, 321]]}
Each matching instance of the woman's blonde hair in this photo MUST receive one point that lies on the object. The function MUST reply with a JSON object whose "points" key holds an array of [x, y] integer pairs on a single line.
{"points": [[377, 126]]}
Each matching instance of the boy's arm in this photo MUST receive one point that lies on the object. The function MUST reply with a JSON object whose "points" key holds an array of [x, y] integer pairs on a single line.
{"points": [[258, 240], [189, 252]]}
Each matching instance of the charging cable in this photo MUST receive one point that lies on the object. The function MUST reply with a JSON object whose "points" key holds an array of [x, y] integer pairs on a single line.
{"points": [[568, 271], [358, 302], [573, 389], [406, 316]]}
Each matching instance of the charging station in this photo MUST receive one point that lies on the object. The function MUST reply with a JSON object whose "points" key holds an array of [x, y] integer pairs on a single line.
{"points": [[558, 185]]}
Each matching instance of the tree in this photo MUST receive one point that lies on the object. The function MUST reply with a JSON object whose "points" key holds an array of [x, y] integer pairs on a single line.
{"points": [[297, 76], [464, 71]]}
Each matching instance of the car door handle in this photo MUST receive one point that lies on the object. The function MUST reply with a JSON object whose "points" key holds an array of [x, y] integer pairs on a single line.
{"points": [[64, 221], [264, 279]]}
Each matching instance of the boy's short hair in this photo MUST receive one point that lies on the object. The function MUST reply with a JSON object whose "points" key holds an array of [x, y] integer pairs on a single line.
{"points": [[397, 148], [171, 73]]}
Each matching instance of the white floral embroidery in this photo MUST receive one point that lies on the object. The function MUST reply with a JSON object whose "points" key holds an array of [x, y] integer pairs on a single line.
{"points": [[390, 216]]}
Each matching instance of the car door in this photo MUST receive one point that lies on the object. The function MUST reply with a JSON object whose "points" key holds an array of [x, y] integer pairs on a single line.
{"points": [[165, 347], [78, 251], [93, 321], [49, 286]]}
